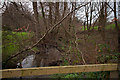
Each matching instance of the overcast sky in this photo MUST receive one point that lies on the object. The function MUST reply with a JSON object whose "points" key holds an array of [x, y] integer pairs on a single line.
{"points": [[79, 13]]}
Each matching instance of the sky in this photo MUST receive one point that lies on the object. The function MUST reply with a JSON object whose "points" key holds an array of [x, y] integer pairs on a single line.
{"points": [[78, 13], [62, 0]]}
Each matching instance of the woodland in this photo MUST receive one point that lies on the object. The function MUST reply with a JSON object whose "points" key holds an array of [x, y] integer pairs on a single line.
{"points": [[60, 34]]}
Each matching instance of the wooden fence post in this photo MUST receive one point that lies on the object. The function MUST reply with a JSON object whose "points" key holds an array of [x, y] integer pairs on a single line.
{"points": [[114, 75]]}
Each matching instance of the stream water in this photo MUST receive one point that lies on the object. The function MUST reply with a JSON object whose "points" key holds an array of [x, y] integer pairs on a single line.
{"points": [[43, 59], [28, 62]]}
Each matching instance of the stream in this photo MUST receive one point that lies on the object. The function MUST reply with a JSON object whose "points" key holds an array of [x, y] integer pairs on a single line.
{"points": [[41, 59], [28, 62]]}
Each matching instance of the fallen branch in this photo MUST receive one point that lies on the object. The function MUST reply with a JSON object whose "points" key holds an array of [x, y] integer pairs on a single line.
{"points": [[47, 32], [77, 47]]}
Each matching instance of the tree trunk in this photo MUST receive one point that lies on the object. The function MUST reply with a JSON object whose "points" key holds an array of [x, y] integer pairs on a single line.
{"points": [[117, 27], [86, 12], [91, 11], [56, 12], [57, 17], [102, 21], [36, 18], [50, 13], [65, 7], [43, 15]]}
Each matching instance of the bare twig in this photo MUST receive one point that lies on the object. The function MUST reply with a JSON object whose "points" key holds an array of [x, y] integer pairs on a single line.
{"points": [[109, 7], [48, 31], [3, 5], [77, 47]]}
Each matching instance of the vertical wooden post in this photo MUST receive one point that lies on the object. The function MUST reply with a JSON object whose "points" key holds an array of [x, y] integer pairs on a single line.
{"points": [[114, 75]]}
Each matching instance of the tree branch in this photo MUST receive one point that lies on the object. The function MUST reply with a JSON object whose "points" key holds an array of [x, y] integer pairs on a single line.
{"points": [[48, 31], [77, 47]]}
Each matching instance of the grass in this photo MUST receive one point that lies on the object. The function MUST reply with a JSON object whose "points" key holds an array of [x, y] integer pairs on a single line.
{"points": [[107, 27], [95, 27], [12, 42], [110, 26]]}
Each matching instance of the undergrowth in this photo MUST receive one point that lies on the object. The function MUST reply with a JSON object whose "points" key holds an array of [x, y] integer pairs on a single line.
{"points": [[13, 42]]}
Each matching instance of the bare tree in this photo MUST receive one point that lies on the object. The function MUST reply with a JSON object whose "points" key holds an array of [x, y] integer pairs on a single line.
{"points": [[117, 27], [102, 19], [36, 19], [91, 13], [50, 13], [56, 12], [43, 15], [65, 7], [43, 37]]}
